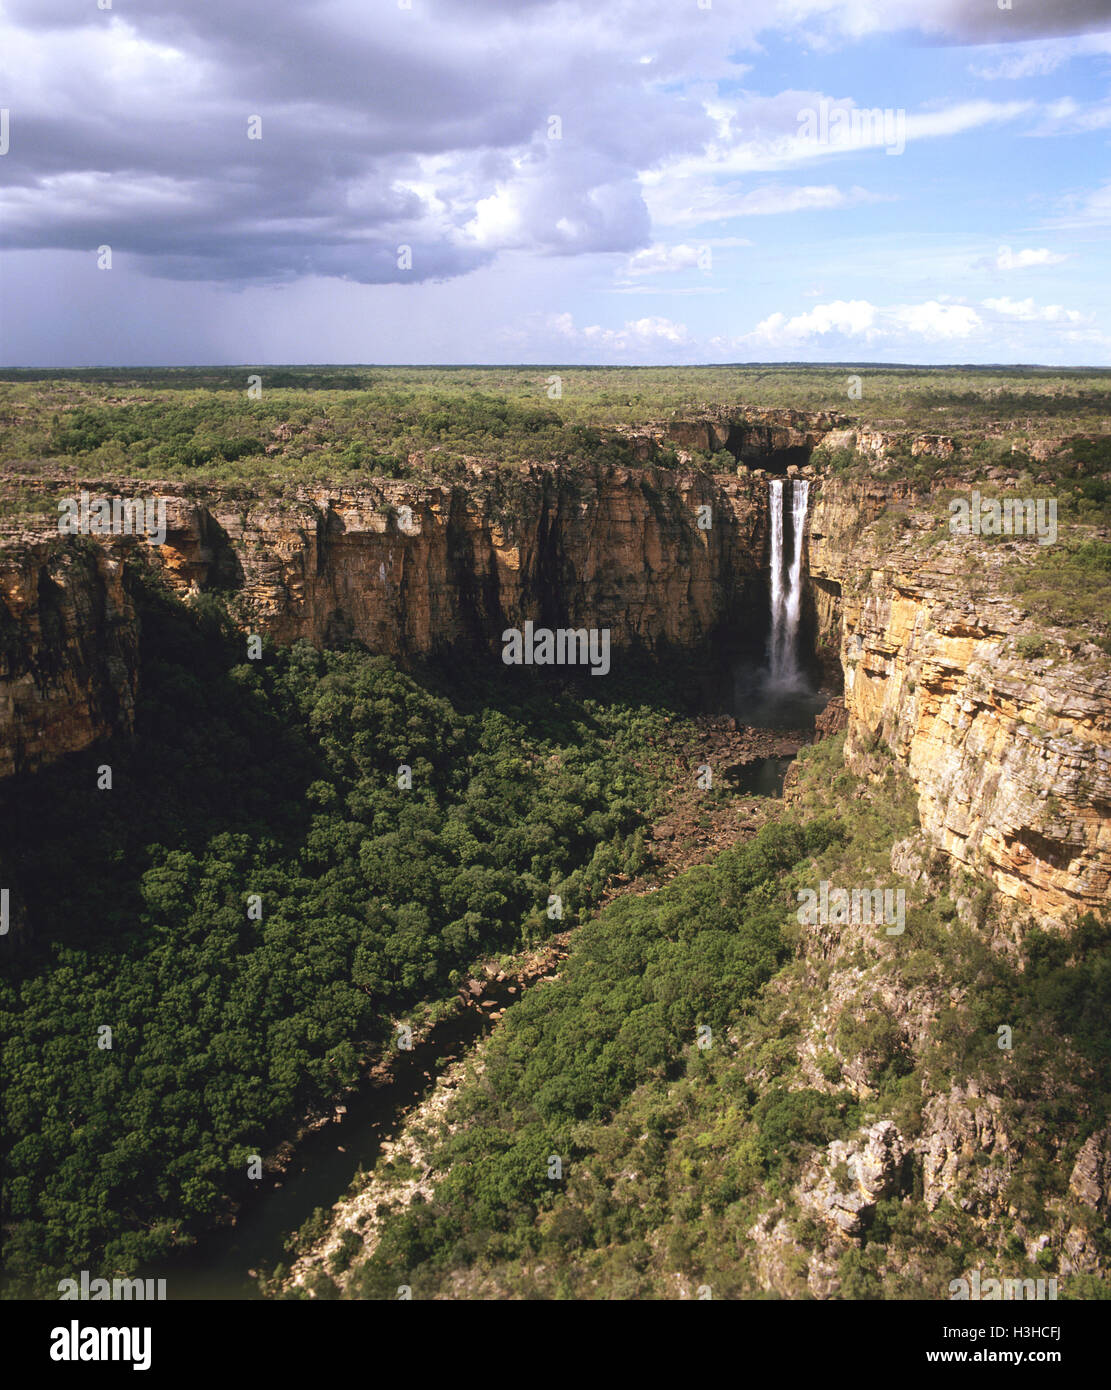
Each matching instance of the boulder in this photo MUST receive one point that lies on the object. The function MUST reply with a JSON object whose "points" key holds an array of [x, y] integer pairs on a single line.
{"points": [[844, 1197]]}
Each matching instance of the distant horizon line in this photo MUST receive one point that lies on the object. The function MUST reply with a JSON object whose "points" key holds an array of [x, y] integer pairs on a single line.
{"points": [[564, 366]]}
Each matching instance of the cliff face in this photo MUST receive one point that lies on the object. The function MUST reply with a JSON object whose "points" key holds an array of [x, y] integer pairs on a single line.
{"points": [[665, 560], [772, 439], [69, 649], [412, 570], [1010, 755]]}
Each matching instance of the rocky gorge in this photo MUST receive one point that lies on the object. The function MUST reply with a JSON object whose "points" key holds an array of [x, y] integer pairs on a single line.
{"points": [[1010, 754]]}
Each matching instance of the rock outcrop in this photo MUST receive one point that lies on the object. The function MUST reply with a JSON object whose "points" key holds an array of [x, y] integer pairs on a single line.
{"points": [[1090, 1182], [1011, 755], [69, 651], [772, 439], [959, 1129], [853, 1175]]}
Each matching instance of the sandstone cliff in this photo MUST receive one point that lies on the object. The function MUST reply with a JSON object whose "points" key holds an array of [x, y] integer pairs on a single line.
{"points": [[69, 651], [1010, 754], [417, 569]]}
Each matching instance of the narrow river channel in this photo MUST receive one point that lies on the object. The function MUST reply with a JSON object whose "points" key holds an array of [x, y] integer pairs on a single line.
{"points": [[322, 1167]]}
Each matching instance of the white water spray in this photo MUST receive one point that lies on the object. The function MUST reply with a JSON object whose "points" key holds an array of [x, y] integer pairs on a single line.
{"points": [[783, 667]]}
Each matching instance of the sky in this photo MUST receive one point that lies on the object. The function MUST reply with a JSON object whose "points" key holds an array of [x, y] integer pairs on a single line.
{"points": [[554, 181]]}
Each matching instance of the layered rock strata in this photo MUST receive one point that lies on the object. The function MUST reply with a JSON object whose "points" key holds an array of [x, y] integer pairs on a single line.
{"points": [[69, 651], [1010, 753]]}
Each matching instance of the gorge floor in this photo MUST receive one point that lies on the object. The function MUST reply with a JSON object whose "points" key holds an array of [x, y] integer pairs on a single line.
{"points": [[324, 1177]]}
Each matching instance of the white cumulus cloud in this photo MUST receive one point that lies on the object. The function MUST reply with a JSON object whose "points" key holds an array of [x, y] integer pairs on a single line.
{"points": [[869, 323], [934, 320], [662, 258], [1006, 259], [639, 333], [854, 316], [1028, 310]]}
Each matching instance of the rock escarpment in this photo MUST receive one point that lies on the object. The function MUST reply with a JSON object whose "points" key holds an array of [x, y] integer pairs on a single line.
{"points": [[1010, 754], [667, 561], [69, 651], [413, 570]]}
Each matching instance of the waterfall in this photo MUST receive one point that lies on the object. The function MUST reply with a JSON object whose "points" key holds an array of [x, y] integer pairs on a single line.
{"points": [[786, 594]]}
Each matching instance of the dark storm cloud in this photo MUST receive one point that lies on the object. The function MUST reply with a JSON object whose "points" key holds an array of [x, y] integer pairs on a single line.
{"points": [[982, 21], [378, 131]]}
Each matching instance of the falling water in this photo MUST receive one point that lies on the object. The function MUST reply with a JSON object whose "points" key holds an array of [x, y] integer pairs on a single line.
{"points": [[783, 668]]}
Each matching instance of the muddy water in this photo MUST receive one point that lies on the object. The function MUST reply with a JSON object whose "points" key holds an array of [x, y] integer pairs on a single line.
{"points": [[761, 777]]}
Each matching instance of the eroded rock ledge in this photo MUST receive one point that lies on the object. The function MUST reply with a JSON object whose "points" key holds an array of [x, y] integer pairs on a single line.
{"points": [[69, 651], [1010, 754]]}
